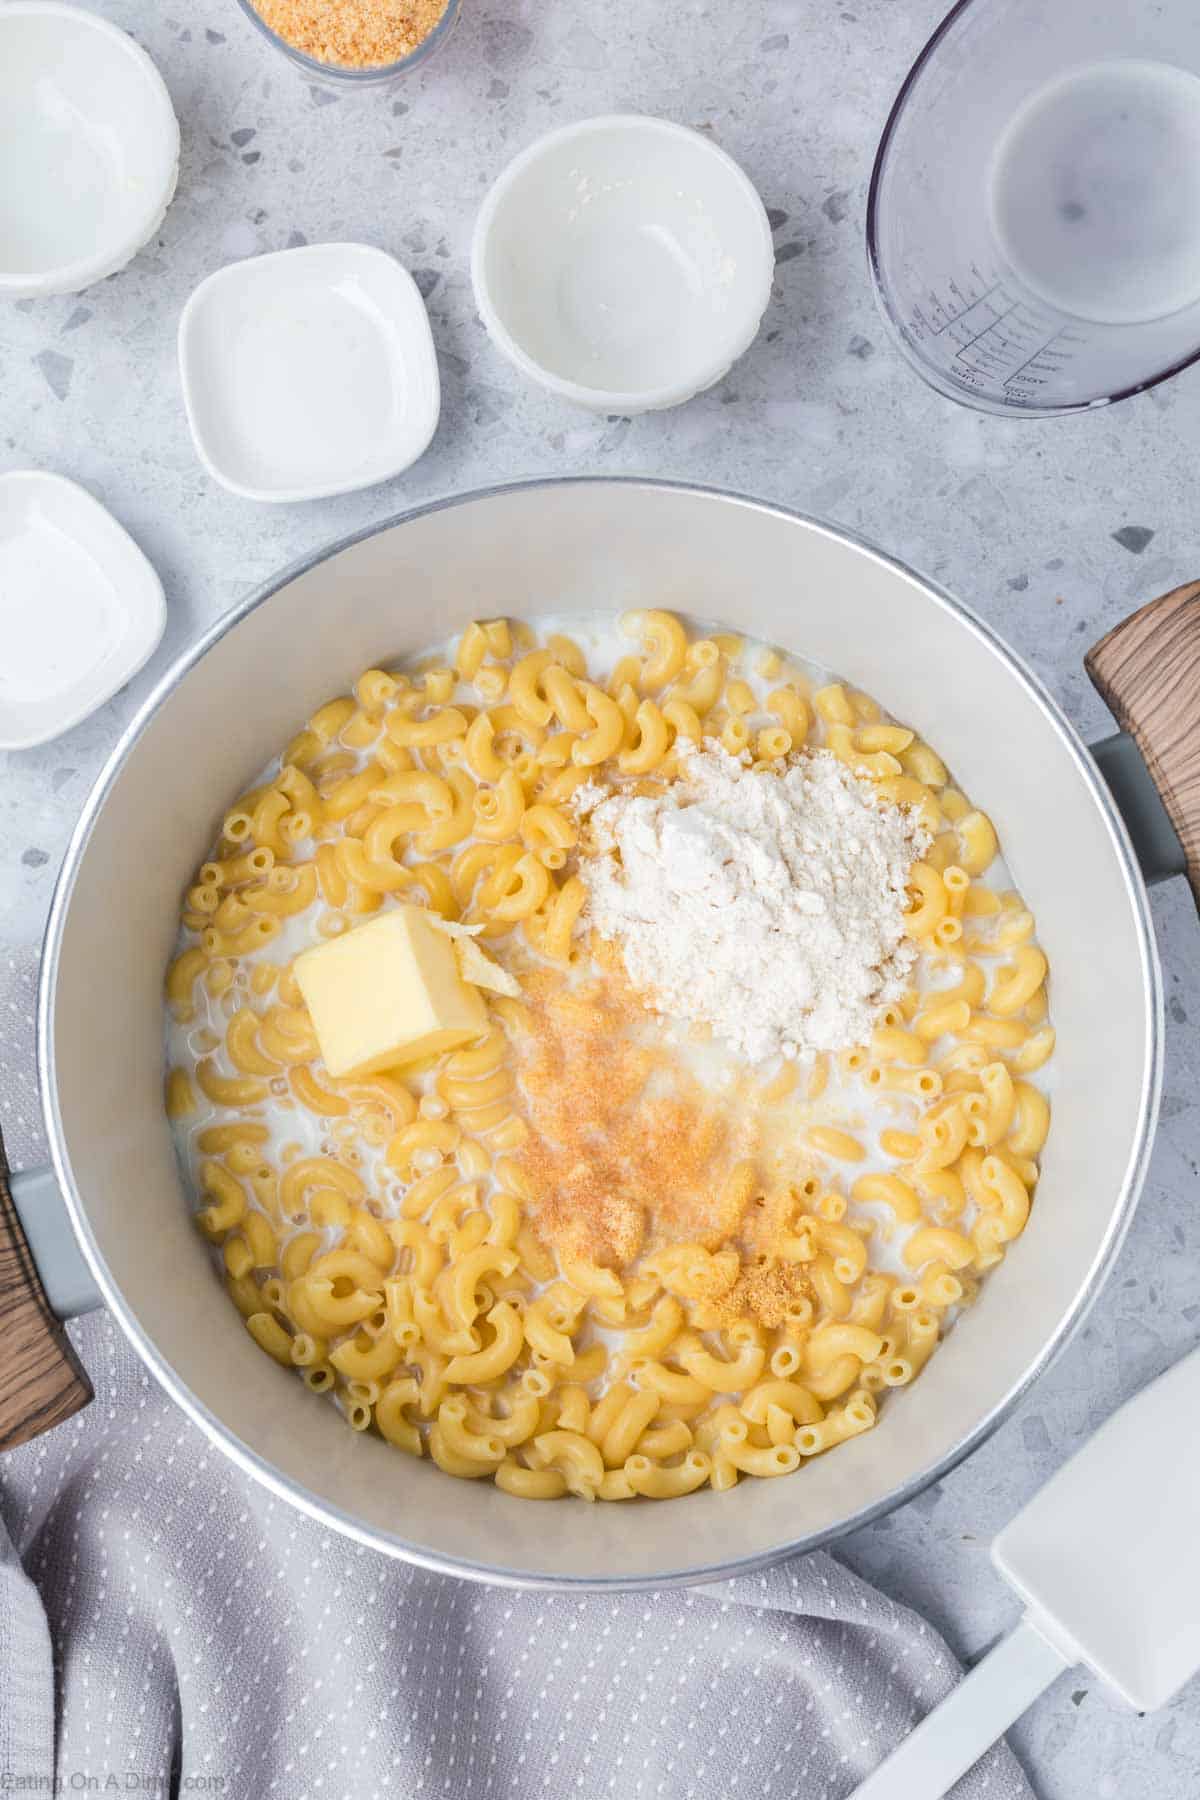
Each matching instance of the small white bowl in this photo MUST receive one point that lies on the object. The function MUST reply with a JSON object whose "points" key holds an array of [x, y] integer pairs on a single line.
{"points": [[624, 263], [80, 607], [89, 149], [308, 372]]}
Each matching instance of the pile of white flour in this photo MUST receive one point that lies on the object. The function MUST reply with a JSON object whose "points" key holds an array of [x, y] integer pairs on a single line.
{"points": [[765, 905]]}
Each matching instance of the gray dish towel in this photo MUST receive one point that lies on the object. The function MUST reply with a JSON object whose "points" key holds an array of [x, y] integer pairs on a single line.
{"points": [[166, 1625]]}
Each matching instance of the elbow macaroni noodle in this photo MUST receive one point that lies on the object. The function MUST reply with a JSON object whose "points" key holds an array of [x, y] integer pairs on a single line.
{"points": [[376, 1233]]}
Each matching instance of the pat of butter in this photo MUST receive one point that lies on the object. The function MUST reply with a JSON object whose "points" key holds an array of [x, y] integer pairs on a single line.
{"points": [[388, 993], [473, 965], [483, 972]]}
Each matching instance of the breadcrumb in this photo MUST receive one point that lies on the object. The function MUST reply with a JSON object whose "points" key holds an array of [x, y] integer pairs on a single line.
{"points": [[353, 34]]}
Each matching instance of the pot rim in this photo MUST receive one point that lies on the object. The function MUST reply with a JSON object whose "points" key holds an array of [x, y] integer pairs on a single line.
{"points": [[346, 1524]]}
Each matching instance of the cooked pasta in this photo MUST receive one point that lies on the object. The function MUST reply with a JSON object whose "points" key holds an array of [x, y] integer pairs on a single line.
{"points": [[455, 1249]]}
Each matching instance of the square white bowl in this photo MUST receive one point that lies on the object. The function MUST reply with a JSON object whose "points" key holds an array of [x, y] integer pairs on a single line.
{"points": [[80, 607], [308, 372]]}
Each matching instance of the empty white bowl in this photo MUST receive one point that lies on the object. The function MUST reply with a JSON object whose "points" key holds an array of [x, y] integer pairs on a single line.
{"points": [[89, 148], [80, 607], [624, 263], [308, 372]]}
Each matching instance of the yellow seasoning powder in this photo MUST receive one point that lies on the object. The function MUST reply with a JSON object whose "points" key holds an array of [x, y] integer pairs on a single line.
{"points": [[353, 34]]}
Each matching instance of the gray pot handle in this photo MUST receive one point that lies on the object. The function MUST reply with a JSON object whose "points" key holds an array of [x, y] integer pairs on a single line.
{"points": [[42, 1381], [67, 1282], [1147, 670], [1155, 839]]}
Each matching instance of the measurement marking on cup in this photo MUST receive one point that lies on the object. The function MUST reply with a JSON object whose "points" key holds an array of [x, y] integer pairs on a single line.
{"points": [[1003, 351], [967, 306], [994, 325], [995, 339], [1063, 356], [994, 349]]}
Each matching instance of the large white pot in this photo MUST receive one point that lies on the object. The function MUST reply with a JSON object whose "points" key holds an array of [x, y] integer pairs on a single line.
{"points": [[238, 694]]}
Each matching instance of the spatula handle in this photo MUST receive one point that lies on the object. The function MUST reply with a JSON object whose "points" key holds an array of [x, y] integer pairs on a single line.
{"points": [[980, 1710]]}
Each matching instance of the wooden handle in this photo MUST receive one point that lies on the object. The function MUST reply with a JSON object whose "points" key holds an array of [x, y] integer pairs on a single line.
{"points": [[41, 1379], [1148, 671]]}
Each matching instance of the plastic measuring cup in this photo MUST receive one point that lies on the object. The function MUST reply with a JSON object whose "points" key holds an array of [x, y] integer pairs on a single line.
{"points": [[1033, 225]]}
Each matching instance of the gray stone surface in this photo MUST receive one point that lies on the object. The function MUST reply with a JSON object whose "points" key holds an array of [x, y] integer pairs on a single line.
{"points": [[1053, 531]]}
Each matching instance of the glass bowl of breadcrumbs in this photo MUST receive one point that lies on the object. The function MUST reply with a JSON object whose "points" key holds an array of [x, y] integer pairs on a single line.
{"points": [[355, 41]]}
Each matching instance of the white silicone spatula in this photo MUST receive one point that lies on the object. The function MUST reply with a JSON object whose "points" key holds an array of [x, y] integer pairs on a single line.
{"points": [[1107, 1561]]}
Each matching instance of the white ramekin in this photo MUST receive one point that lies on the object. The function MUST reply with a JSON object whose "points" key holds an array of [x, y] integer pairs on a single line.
{"points": [[89, 157], [623, 263]]}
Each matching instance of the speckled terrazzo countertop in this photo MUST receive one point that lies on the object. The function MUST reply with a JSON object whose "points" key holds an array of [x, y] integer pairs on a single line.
{"points": [[1053, 531]]}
